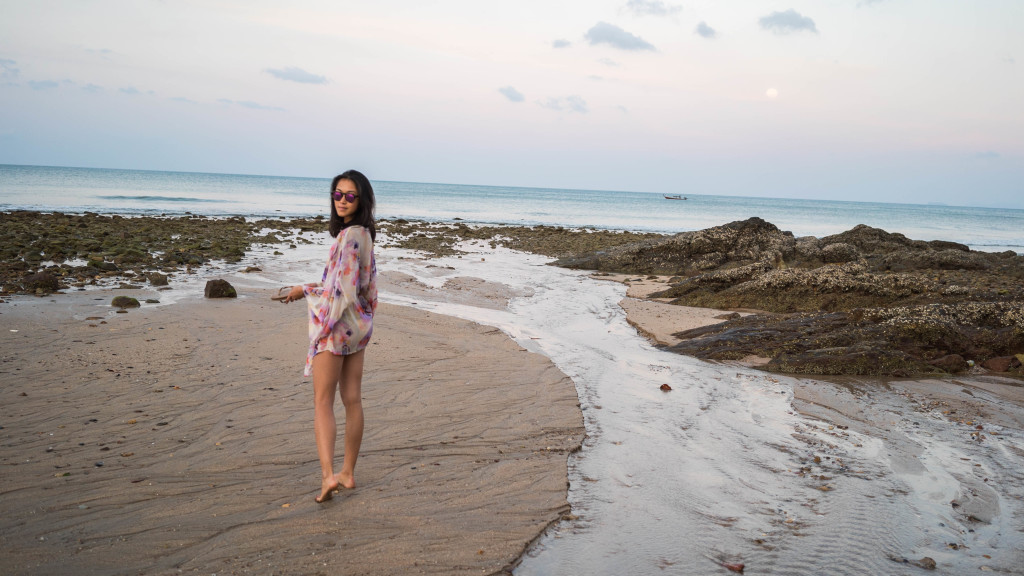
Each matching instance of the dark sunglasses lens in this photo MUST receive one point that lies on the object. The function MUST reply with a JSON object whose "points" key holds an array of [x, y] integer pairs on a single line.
{"points": [[350, 198]]}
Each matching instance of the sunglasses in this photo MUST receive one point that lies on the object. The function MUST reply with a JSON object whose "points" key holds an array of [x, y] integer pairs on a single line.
{"points": [[350, 198]]}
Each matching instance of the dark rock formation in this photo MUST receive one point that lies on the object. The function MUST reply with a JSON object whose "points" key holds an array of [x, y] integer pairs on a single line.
{"points": [[689, 253], [124, 302], [157, 279], [865, 301], [113, 247], [219, 289], [41, 283], [900, 341]]}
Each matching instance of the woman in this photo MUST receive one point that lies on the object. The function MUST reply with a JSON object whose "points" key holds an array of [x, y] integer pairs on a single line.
{"points": [[341, 310]]}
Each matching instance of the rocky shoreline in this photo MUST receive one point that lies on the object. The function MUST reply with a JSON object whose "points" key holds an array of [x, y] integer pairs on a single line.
{"points": [[863, 302]]}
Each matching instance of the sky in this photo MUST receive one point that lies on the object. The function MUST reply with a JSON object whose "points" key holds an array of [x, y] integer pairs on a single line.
{"points": [[878, 100]]}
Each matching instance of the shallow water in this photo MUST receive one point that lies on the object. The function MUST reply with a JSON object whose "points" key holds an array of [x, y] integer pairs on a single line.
{"points": [[722, 468]]}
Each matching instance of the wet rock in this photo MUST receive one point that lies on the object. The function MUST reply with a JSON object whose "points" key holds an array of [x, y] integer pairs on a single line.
{"points": [[952, 363], [927, 563], [853, 360], [157, 279], [666, 388], [41, 282], [899, 341], [1001, 363], [219, 289], [124, 302]]}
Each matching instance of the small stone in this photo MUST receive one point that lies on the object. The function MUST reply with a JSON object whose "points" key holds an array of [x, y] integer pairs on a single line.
{"points": [[665, 387]]}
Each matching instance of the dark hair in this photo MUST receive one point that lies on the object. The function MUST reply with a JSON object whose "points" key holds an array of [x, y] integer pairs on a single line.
{"points": [[364, 214]]}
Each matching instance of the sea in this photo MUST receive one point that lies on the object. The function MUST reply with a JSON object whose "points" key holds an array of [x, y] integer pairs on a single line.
{"points": [[729, 468], [77, 190]]}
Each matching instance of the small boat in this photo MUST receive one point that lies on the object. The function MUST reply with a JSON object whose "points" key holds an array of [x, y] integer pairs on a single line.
{"points": [[674, 197]]}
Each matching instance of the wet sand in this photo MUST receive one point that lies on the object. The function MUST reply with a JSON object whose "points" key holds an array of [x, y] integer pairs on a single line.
{"points": [[178, 439], [950, 440]]}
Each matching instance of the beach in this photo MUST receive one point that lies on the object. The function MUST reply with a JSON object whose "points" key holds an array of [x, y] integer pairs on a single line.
{"points": [[178, 439], [602, 452]]}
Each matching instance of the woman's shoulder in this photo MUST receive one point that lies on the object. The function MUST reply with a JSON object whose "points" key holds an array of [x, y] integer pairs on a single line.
{"points": [[356, 232]]}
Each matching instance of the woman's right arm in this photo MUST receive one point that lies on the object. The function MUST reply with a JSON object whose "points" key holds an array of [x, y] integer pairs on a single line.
{"points": [[296, 293]]}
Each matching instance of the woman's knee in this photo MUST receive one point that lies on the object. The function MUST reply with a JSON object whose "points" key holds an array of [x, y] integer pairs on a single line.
{"points": [[351, 398]]}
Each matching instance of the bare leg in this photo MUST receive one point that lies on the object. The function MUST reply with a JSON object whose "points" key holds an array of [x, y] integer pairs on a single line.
{"points": [[352, 398], [327, 370]]}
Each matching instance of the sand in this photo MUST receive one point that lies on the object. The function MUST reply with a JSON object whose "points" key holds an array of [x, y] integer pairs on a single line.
{"points": [[178, 439]]}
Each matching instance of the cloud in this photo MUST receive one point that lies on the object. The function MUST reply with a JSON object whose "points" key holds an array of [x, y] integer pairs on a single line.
{"points": [[576, 104], [704, 30], [258, 106], [560, 43], [183, 99], [130, 90], [293, 74], [986, 155], [605, 33], [42, 84], [90, 87], [868, 2], [512, 94], [8, 70], [569, 104], [249, 104], [787, 22], [1009, 60], [652, 8], [608, 62]]}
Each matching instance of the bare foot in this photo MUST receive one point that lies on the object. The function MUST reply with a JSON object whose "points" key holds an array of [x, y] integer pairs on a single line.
{"points": [[345, 480], [327, 490]]}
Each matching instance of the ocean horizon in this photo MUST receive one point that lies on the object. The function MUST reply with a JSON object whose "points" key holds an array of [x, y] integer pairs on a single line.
{"points": [[148, 192]]}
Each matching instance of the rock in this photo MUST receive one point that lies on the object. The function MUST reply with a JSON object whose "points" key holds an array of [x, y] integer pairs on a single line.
{"points": [[157, 279], [124, 302], [839, 252], [219, 289], [666, 388], [951, 363], [687, 253], [808, 248], [729, 316], [249, 269], [41, 282], [900, 341], [927, 563], [853, 360], [1001, 363]]}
